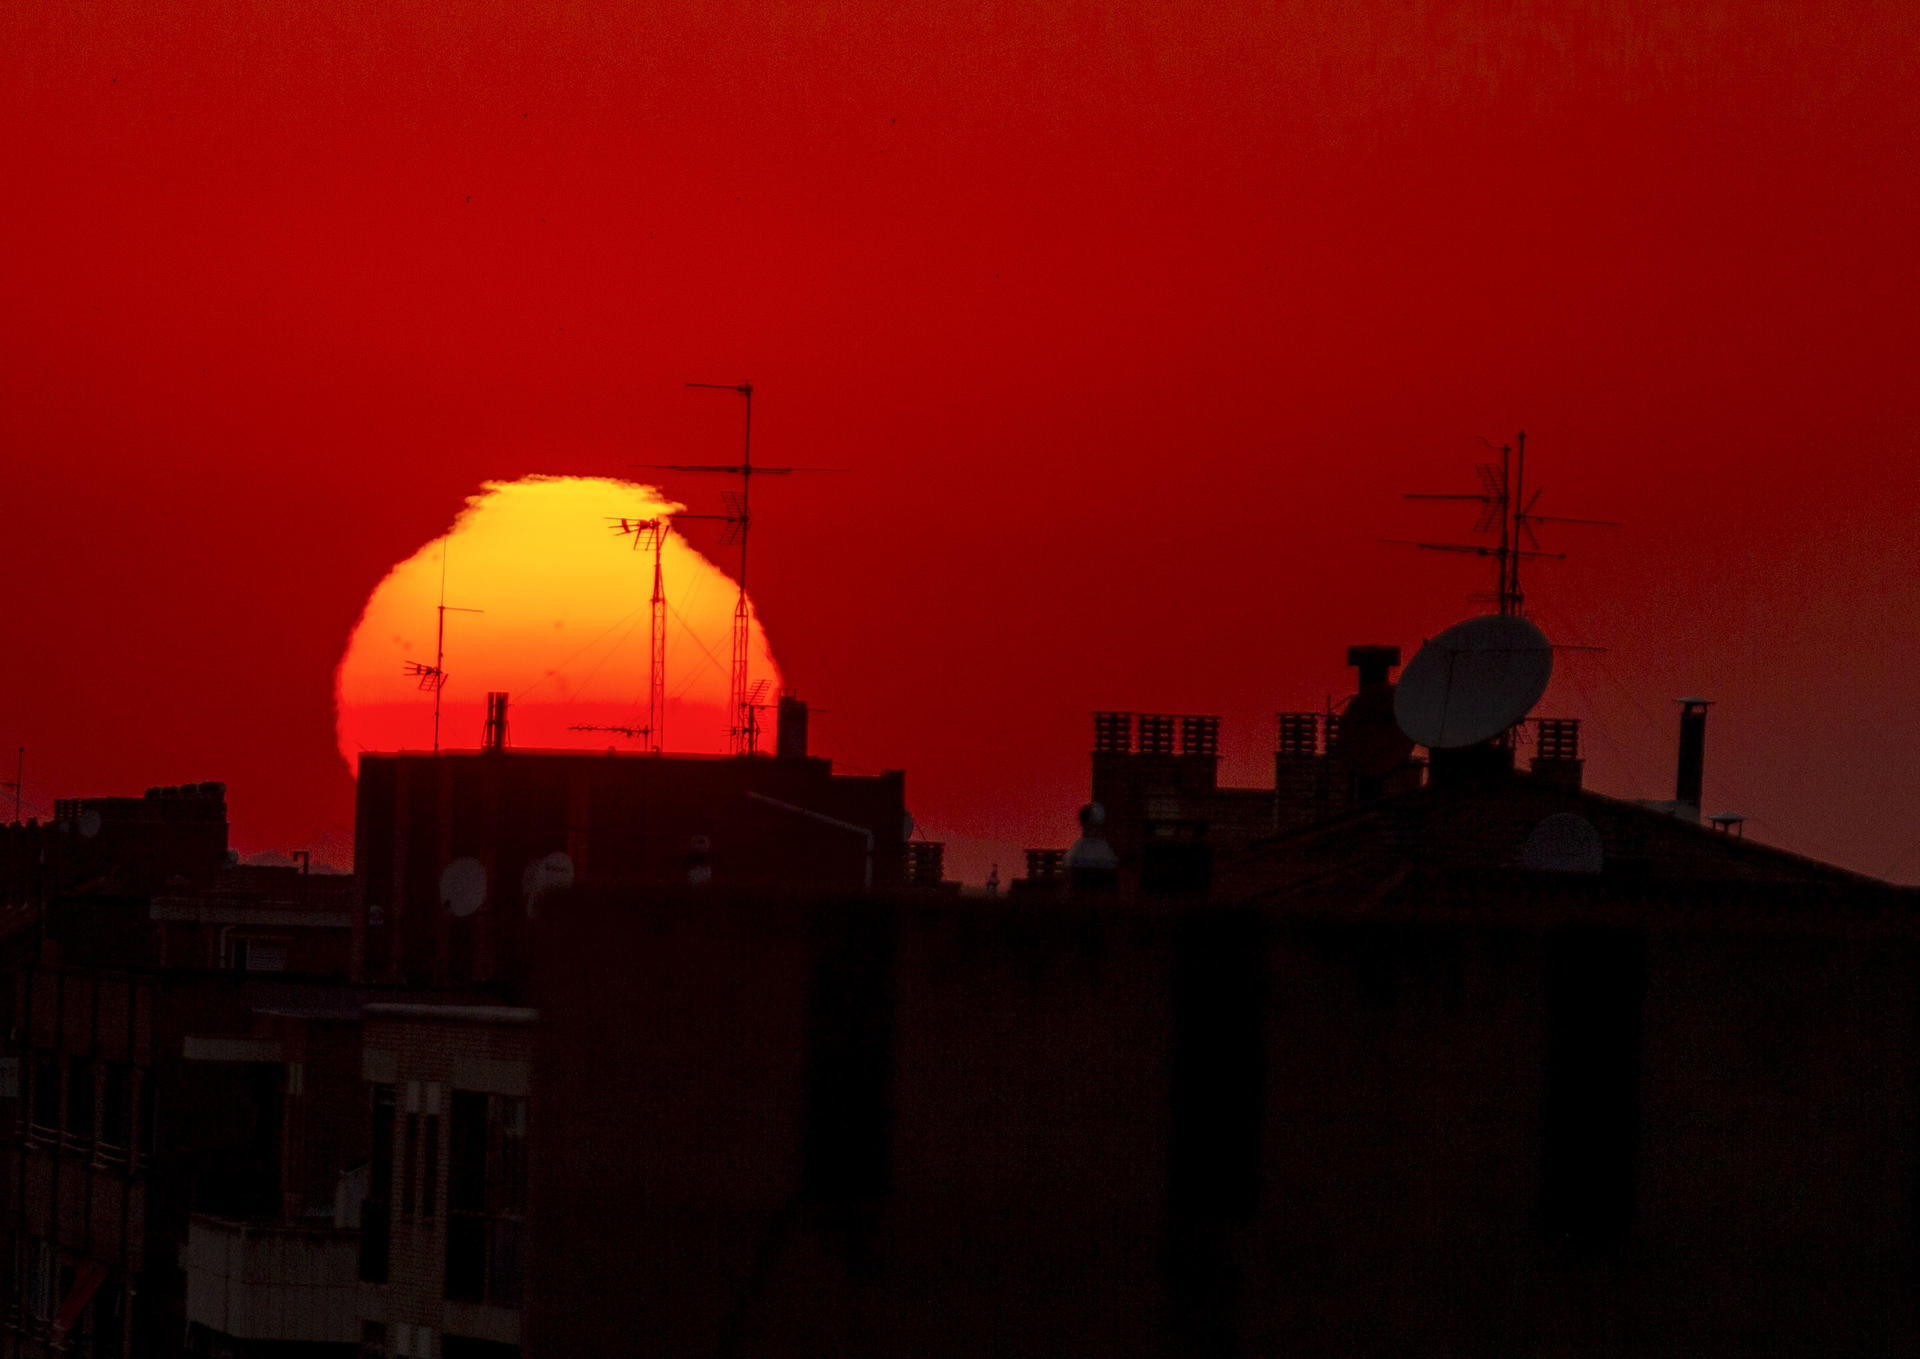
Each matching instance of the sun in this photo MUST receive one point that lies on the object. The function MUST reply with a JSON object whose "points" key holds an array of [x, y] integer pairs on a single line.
{"points": [[547, 602]]}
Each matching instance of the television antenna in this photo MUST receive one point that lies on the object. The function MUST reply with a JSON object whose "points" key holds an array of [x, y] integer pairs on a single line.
{"points": [[434, 676], [1503, 510], [631, 733], [654, 532], [755, 705], [741, 732]]}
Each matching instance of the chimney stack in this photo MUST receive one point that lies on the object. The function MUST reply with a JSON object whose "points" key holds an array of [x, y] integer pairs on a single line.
{"points": [[790, 730], [1693, 752], [495, 737], [1373, 662]]}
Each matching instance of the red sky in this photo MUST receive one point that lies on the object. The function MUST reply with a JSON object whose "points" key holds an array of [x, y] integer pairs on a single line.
{"points": [[1130, 327]]}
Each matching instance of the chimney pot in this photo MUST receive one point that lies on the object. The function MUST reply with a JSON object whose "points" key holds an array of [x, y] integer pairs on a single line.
{"points": [[1373, 661], [790, 731], [1693, 751], [495, 737]]}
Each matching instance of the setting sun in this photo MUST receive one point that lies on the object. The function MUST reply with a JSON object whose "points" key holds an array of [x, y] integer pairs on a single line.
{"points": [[562, 626]]}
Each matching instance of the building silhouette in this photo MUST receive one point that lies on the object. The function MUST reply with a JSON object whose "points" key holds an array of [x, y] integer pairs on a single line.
{"points": [[597, 1054]]}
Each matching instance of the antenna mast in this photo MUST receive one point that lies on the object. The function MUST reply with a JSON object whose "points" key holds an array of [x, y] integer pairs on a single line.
{"points": [[1504, 510], [742, 734], [434, 676], [643, 531]]}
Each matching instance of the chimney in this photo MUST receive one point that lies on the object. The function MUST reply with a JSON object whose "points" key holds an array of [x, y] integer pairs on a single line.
{"points": [[790, 731], [1556, 748], [1693, 752], [1373, 662], [495, 737]]}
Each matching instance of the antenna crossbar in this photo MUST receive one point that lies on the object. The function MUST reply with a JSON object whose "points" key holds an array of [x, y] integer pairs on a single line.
{"points": [[1504, 509]]}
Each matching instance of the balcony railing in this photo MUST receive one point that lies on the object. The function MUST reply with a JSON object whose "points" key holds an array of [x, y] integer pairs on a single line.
{"points": [[273, 1281]]}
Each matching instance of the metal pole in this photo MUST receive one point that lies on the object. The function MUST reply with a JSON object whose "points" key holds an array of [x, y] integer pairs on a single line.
{"points": [[657, 651], [1518, 501], [440, 650]]}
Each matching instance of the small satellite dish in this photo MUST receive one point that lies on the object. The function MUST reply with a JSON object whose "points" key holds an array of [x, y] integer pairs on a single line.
{"points": [[1473, 681], [551, 874], [463, 886], [1369, 741], [90, 823], [1563, 843]]}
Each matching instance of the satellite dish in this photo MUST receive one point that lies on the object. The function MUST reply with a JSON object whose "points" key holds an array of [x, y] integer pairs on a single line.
{"points": [[1369, 741], [551, 874], [463, 886], [90, 823], [1473, 681], [1563, 843], [906, 827]]}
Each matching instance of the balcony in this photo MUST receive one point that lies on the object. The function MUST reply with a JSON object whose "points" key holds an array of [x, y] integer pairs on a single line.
{"points": [[271, 1281]]}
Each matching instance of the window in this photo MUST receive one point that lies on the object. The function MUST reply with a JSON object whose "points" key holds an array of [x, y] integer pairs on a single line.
{"points": [[373, 1340], [376, 1212], [1591, 1120], [409, 1163], [79, 1099], [430, 1172], [260, 955], [486, 1197], [106, 1317], [144, 1132], [116, 1107], [40, 1279], [46, 1092]]}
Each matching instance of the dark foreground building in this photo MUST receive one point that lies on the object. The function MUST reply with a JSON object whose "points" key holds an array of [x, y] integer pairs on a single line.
{"points": [[1363, 1098], [643, 1055], [453, 850], [181, 1048]]}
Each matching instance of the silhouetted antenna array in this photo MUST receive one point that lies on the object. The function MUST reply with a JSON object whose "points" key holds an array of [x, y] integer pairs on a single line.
{"points": [[434, 676], [1503, 511], [631, 733], [739, 507], [654, 531], [755, 705]]}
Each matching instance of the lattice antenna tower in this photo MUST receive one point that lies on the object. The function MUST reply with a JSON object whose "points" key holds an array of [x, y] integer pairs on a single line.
{"points": [[1504, 511], [434, 676], [741, 734]]}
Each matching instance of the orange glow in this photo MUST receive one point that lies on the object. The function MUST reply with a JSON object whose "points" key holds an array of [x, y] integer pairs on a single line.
{"points": [[564, 628]]}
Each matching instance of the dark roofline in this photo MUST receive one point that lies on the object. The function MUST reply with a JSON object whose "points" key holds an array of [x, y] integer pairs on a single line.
{"points": [[1737, 846]]}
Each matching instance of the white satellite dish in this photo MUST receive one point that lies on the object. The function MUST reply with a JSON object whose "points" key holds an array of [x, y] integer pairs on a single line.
{"points": [[90, 823], [1473, 681], [463, 886], [1563, 843]]}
